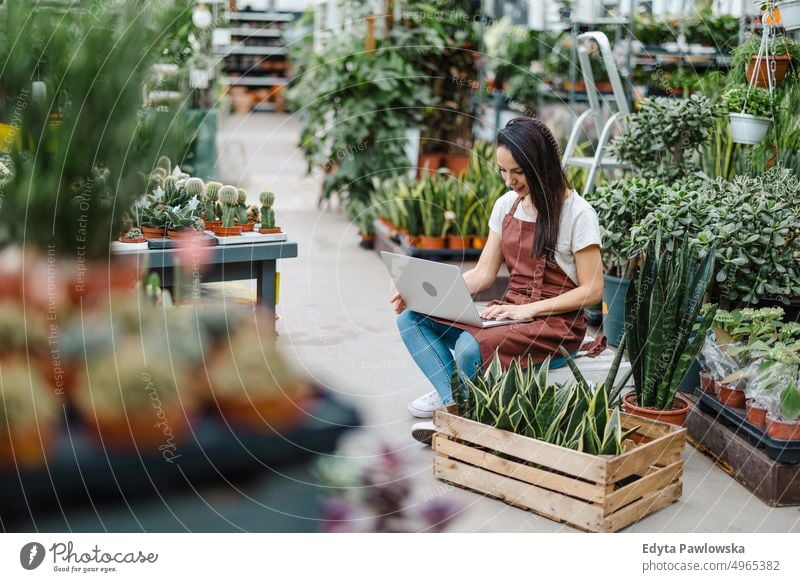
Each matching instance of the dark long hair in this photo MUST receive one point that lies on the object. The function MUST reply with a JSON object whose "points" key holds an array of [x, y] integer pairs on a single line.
{"points": [[536, 151]]}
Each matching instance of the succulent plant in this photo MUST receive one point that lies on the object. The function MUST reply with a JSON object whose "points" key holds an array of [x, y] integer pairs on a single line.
{"points": [[241, 205], [170, 188], [194, 187], [211, 208], [228, 197], [267, 199], [134, 234], [26, 404], [164, 163], [253, 214]]}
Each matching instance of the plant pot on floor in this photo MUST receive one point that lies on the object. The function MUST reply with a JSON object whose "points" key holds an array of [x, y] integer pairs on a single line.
{"points": [[676, 415], [756, 415], [748, 129], [478, 242], [431, 242], [757, 69], [790, 14], [614, 291], [783, 430], [431, 162], [456, 163]]}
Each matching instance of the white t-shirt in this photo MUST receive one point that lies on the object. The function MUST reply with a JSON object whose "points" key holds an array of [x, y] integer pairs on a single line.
{"points": [[579, 227]]}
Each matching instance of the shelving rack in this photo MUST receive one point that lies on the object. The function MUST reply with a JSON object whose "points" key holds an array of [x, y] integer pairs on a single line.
{"points": [[256, 60]]}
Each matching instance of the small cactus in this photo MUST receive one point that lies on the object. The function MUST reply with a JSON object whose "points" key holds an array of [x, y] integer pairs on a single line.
{"points": [[267, 199], [165, 164], [194, 187], [241, 206], [210, 209], [228, 197], [253, 214], [171, 187], [134, 234]]}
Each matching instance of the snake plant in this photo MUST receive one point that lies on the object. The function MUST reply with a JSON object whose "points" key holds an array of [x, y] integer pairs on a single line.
{"points": [[521, 400], [665, 327]]}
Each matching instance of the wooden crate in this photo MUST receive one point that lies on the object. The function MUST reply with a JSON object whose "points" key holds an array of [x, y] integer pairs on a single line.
{"points": [[589, 492]]}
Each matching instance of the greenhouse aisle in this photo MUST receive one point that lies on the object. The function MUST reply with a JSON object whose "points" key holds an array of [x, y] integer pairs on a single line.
{"points": [[338, 326]]}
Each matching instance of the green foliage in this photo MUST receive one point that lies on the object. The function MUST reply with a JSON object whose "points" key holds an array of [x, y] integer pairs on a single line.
{"points": [[522, 401], [742, 54], [661, 311], [751, 100], [76, 177], [523, 87], [720, 31], [664, 137]]}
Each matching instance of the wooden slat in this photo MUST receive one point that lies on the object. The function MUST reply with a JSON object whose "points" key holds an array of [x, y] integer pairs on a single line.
{"points": [[582, 465], [643, 456], [652, 482], [645, 506], [646, 427], [545, 479], [547, 503]]}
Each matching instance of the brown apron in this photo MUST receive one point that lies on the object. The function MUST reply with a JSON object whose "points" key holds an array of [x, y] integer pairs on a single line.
{"points": [[532, 279]]}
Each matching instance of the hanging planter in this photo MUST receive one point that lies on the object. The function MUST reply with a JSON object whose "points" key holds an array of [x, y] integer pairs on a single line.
{"points": [[748, 129], [758, 69], [789, 14]]}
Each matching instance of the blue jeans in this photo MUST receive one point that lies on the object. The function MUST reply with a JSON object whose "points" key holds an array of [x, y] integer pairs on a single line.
{"points": [[430, 342]]}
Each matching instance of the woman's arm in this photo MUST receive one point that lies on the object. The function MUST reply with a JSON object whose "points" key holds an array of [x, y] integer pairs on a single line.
{"points": [[588, 292], [484, 274]]}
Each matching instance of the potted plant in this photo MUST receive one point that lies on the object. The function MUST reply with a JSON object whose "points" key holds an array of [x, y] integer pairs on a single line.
{"points": [[750, 68], [750, 113], [775, 368], [241, 211], [457, 198], [267, 199], [28, 415], [251, 383], [432, 195], [718, 31], [134, 235], [665, 329], [155, 220], [786, 424], [211, 212], [228, 198]]}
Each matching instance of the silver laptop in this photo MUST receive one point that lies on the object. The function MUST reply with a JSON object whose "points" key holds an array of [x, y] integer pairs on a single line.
{"points": [[437, 289]]}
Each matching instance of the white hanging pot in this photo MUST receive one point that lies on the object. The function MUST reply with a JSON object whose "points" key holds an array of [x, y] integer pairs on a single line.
{"points": [[790, 14], [748, 129]]}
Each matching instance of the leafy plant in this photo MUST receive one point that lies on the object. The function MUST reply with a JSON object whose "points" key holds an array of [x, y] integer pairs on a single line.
{"points": [[751, 100], [742, 54], [720, 31], [662, 307], [664, 137]]}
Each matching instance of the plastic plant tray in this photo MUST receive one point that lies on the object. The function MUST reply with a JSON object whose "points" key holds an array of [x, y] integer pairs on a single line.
{"points": [[778, 450], [82, 473]]}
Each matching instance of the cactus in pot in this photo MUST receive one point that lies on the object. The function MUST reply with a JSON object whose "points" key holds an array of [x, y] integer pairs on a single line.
{"points": [[228, 197], [194, 187], [28, 415], [267, 199], [165, 165], [241, 206], [211, 209]]}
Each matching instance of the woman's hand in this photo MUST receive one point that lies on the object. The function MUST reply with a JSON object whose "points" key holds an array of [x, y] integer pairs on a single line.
{"points": [[400, 305], [512, 312]]}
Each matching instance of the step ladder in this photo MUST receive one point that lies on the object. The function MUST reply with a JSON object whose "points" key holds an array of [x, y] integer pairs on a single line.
{"points": [[601, 160]]}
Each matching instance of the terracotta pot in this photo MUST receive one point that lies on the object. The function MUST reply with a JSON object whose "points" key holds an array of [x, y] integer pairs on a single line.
{"points": [[756, 415], [140, 430], [275, 230], [676, 416], [781, 67], [248, 226], [29, 449], [135, 241], [456, 163], [188, 233], [431, 242], [98, 280], [458, 242], [783, 430], [277, 413], [478, 242], [212, 224], [730, 396], [430, 161], [150, 232], [411, 240], [604, 86], [228, 230], [707, 383]]}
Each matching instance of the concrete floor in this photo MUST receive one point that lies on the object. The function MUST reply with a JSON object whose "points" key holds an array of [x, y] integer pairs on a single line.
{"points": [[337, 325]]}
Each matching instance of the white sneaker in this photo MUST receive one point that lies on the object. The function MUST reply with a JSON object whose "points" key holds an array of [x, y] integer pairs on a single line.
{"points": [[424, 406], [423, 432]]}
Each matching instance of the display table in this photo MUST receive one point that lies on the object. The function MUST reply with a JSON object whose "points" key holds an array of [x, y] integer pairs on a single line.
{"points": [[225, 263]]}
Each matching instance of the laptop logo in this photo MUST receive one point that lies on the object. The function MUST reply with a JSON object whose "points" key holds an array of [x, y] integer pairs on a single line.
{"points": [[429, 289]]}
